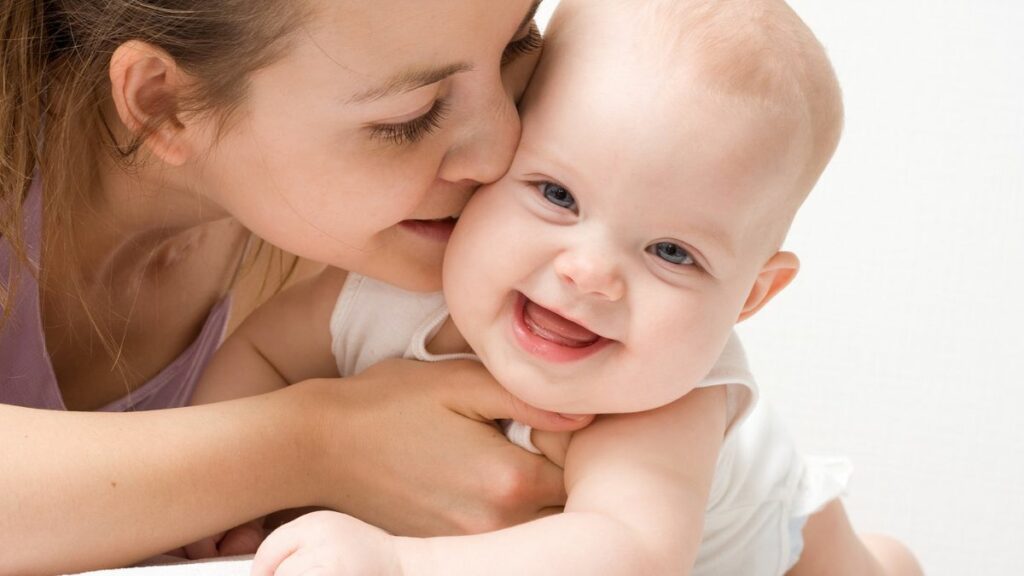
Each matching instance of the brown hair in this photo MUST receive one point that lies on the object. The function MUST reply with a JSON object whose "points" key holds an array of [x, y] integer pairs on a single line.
{"points": [[54, 60]]}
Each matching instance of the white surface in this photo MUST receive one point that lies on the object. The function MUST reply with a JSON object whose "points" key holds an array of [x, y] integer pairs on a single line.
{"points": [[236, 566], [900, 342]]}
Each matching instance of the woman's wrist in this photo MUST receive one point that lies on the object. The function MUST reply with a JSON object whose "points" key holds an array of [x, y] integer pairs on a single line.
{"points": [[316, 439], [294, 447]]}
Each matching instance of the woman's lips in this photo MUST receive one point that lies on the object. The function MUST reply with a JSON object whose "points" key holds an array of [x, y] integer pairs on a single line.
{"points": [[549, 336], [439, 229]]}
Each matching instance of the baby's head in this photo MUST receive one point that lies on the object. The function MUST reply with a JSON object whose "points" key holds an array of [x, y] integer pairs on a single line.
{"points": [[666, 147]]}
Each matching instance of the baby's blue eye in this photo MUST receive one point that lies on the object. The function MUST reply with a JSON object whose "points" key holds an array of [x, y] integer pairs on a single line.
{"points": [[558, 196], [671, 253]]}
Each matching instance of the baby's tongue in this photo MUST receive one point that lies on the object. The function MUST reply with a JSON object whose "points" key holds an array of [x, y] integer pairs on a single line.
{"points": [[552, 327]]}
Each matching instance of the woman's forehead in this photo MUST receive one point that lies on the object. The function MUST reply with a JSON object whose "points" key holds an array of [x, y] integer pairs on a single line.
{"points": [[385, 37]]}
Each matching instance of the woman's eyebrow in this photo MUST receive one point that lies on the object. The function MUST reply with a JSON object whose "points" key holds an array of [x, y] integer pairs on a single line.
{"points": [[408, 80], [418, 77]]}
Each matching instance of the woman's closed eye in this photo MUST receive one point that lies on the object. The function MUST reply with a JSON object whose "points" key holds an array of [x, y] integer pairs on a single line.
{"points": [[531, 42], [412, 131]]}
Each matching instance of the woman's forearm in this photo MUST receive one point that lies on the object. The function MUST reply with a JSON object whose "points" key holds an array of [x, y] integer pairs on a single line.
{"points": [[83, 490], [87, 490]]}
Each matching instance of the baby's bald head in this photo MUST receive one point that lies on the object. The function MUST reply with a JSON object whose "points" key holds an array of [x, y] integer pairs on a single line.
{"points": [[760, 53], [756, 57]]}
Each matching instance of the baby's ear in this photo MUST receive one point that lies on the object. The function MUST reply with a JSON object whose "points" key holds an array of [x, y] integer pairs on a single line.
{"points": [[775, 275]]}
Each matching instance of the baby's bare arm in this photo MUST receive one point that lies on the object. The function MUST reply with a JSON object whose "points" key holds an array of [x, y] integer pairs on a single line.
{"points": [[286, 340], [652, 473], [638, 486]]}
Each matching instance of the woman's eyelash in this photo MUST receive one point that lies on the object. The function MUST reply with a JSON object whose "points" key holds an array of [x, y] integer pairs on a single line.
{"points": [[525, 45], [414, 130]]}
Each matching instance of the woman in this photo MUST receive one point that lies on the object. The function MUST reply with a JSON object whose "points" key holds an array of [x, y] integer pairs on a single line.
{"points": [[144, 146]]}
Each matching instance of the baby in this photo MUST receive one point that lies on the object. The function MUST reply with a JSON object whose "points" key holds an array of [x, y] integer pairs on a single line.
{"points": [[666, 147]]}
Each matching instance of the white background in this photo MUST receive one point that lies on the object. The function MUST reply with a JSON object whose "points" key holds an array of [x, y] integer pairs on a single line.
{"points": [[900, 344]]}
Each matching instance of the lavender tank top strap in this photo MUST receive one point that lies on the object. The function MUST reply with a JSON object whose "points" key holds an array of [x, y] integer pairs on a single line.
{"points": [[26, 373]]}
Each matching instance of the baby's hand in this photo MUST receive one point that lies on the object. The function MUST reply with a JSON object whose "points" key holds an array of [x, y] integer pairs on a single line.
{"points": [[327, 543]]}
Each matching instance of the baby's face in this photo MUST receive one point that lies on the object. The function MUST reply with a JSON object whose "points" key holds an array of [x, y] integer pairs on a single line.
{"points": [[604, 272]]}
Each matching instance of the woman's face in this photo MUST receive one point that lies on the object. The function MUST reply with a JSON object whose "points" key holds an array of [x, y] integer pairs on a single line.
{"points": [[358, 147]]}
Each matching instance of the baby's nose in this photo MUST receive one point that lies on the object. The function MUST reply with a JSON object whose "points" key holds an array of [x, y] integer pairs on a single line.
{"points": [[590, 274]]}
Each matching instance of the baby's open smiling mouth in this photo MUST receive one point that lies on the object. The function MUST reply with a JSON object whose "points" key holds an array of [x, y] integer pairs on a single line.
{"points": [[554, 328], [550, 336]]}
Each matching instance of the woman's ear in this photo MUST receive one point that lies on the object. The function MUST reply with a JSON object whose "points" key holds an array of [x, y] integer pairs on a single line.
{"points": [[146, 86], [775, 275]]}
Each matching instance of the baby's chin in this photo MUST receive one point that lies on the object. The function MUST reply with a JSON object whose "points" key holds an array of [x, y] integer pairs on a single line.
{"points": [[533, 386], [535, 394], [550, 397], [554, 399]]}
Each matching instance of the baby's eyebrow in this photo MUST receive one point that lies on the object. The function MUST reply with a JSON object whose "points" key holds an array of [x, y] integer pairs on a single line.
{"points": [[408, 80]]}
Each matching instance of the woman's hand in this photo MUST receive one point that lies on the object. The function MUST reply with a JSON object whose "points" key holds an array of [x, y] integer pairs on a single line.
{"points": [[411, 447]]}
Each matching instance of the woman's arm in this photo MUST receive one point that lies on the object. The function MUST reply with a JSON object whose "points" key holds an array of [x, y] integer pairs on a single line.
{"points": [[288, 339], [638, 486], [86, 490]]}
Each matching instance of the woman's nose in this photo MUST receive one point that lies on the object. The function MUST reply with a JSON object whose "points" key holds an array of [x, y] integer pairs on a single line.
{"points": [[484, 151], [590, 273]]}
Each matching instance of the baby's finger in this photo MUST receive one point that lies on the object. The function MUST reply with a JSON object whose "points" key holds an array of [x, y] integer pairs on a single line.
{"points": [[278, 547], [299, 564]]}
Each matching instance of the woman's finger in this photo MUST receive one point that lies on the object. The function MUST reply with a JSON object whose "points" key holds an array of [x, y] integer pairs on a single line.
{"points": [[477, 395], [550, 487]]}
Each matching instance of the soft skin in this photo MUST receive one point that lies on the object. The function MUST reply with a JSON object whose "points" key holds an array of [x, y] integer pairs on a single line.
{"points": [[595, 250], [634, 230], [306, 163], [302, 162], [646, 208]]}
